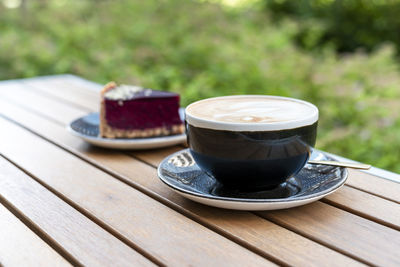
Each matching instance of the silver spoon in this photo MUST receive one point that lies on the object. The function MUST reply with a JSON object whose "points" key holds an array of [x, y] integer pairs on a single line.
{"points": [[341, 164]]}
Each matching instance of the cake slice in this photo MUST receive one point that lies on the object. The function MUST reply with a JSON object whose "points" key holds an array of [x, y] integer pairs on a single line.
{"points": [[132, 112]]}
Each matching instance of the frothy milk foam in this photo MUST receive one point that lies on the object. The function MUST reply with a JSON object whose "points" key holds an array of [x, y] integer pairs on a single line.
{"points": [[250, 109]]}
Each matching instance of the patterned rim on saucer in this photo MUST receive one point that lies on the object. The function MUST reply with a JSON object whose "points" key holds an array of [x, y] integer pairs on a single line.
{"points": [[180, 172]]}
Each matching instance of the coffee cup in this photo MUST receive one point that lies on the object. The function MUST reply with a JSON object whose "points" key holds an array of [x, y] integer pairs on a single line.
{"points": [[251, 142]]}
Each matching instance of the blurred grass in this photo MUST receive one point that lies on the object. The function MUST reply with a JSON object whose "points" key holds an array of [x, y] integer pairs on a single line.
{"points": [[202, 50]]}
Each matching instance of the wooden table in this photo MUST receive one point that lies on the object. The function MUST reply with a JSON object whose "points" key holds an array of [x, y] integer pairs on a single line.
{"points": [[65, 202]]}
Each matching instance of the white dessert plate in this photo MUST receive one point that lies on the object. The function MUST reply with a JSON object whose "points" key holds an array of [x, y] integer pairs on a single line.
{"points": [[87, 128]]}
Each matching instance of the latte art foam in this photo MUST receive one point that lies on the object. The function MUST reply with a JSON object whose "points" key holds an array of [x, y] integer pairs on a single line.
{"points": [[251, 110]]}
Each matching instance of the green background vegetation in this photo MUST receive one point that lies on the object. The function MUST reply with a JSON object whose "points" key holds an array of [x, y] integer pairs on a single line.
{"points": [[341, 57]]}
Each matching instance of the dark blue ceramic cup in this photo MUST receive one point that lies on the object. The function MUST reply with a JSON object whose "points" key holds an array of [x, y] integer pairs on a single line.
{"points": [[251, 142]]}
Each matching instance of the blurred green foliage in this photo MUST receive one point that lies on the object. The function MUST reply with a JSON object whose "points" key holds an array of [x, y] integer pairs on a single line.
{"points": [[202, 50], [345, 24]]}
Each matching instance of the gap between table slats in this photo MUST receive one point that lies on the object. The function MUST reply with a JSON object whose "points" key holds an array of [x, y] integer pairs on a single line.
{"points": [[111, 202], [311, 248], [74, 236], [327, 225], [347, 198], [23, 246]]}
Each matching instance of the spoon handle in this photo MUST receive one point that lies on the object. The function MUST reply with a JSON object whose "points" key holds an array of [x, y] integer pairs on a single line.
{"points": [[341, 164]]}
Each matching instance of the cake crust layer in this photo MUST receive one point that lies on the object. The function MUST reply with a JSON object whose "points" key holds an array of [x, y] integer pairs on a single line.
{"points": [[109, 132]]}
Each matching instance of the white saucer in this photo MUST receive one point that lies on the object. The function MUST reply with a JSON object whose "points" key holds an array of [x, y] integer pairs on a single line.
{"points": [[87, 128], [180, 172]]}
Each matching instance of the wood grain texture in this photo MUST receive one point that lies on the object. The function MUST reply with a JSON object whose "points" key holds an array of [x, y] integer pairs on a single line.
{"points": [[72, 82], [15, 92], [364, 239], [160, 231], [19, 246], [252, 231], [78, 236], [152, 158], [347, 198], [85, 99], [366, 205], [374, 185]]}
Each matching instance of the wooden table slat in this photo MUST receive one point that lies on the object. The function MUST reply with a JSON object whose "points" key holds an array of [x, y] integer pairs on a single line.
{"points": [[369, 241], [374, 185], [260, 235], [87, 100], [347, 198], [72, 233], [73, 83], [127, 211], [18, 94], [360, 203], [20, 246]]}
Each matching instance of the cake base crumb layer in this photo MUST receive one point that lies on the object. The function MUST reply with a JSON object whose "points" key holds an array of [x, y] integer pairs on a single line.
{"points": [[110, 132]]}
